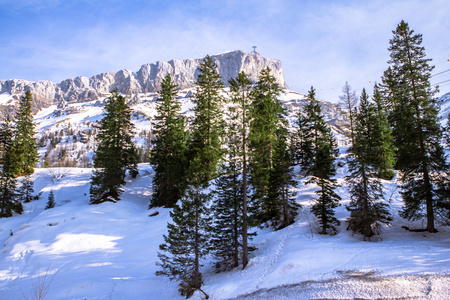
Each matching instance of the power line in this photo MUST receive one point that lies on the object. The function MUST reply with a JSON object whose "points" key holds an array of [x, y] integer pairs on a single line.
{"points": [[441, 82], [440, 73]]}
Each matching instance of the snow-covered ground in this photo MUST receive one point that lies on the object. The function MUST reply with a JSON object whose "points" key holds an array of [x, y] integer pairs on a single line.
{"points": [[108, 251]]}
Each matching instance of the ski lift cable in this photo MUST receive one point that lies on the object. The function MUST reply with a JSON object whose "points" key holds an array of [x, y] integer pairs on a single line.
{"points": [[441, 82], [448, 70]]}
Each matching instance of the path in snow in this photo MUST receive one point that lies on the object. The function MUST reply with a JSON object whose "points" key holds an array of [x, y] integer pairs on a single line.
{"points": [[358, 285]]}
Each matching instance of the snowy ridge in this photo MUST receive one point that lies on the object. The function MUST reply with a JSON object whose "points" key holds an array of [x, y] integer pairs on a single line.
{"points": [[109, 251]]}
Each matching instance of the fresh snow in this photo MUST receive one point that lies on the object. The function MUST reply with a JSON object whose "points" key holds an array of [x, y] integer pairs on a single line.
{"points": [[108, 251]]}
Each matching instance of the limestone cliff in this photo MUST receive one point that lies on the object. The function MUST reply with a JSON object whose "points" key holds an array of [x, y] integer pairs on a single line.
{"points": [[147, 79]]}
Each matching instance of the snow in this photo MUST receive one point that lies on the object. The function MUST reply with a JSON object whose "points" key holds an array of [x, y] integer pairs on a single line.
{"points": [[5, 99], [109, 251]]}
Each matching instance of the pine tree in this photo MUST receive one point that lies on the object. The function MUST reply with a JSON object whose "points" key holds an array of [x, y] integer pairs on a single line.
{"points": [[383, 142], [301, 149], [349, 101], [205, 149], [182, 262], [281, 207], [24, 144], [26, 190], [311, 124], [185, 244], [168, 155], [367, 211], [414, 119], [115, 153], [51, 200], [9, 201], [322, 148], [267, 118], [241, 98]]}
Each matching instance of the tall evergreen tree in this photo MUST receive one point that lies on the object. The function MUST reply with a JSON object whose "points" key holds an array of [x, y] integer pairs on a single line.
{"points": [[383, 142], [207, 128], [9, 200], [24, 144], [349, 101], [168, 155], [115, 153], [267, 118], [281, 206], [183, 261], [367, 210], [323, 151], [241, 98], [414, 119], [186, 244], [227, 224]]}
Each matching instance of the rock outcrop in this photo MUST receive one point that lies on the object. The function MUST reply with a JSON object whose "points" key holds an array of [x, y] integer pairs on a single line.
{"points": [[147, 79]]}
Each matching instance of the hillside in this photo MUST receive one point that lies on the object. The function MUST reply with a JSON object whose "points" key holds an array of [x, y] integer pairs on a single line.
{"points": [[108, 251]]}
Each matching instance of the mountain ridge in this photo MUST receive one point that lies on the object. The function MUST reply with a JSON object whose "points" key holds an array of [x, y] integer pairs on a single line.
{"points": [[146, 80]]}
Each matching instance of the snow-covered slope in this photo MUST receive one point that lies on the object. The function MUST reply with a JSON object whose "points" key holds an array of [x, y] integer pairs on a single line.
{"points": [[108, 251], [65, 134]]}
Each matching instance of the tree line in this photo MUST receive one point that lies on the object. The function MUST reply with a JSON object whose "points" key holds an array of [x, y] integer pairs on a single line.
{"points": [[231, 168]]}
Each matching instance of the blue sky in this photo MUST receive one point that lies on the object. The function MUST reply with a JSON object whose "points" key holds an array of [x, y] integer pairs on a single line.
{"points": [[320, 43]]}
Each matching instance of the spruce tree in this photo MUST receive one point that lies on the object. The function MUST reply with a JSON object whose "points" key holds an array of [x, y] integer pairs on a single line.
{"points": [[24, 144], [168, 155], [240, 88], [281, 206], [414, 119], [311, 123], [267, 118], [26, 190], [51, 200], [349, 101], [323, 150], [186, 244], [367, 210], [9, 200], [383, 142], [182, 262], [115, 152], [205, 149]]}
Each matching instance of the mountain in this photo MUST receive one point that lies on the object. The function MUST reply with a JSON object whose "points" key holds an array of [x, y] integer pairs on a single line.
{"points": [[146, 80], [65, 113], [445, 107]]}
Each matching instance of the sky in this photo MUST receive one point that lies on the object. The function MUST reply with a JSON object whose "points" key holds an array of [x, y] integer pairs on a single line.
{"points": [[320, 43]]}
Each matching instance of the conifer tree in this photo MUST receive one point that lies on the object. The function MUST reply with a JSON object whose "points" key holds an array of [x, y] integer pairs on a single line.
{"points": [[205, 149], [323, 150], [383, 142], [186, 244], [51, 200], [414, 119], [24, 144], [281, 206], [301, 149], [349, 101], [115, 153], [267, 118], [367, 211], [9, 201], [168, 155], [182, 262], [26, 190], [241, 98]]}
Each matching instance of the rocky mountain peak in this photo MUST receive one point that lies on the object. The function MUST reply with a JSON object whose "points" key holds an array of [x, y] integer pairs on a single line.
{"points": [[146, 80]]}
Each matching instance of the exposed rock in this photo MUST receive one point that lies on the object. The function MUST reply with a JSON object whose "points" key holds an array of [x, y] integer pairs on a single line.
{"points": [[147, 79]]}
